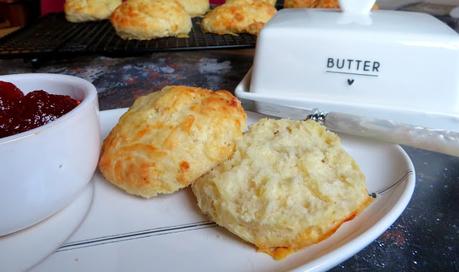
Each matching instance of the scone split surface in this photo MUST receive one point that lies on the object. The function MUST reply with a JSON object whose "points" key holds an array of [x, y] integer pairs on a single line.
{"points": [[169, 138], [288, 185]]}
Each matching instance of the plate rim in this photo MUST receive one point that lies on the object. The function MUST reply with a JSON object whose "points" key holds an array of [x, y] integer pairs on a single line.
{"points": [[370, 235]]}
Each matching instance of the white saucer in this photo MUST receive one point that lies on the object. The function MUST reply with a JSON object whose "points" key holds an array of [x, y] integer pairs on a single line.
{"points": [[22, 250]]}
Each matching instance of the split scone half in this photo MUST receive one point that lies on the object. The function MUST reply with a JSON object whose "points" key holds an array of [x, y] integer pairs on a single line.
{"points": [[288, 185], [169, 138]]}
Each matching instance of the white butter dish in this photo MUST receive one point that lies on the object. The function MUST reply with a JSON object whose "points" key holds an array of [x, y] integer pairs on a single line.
{"points": [[393, 65]]}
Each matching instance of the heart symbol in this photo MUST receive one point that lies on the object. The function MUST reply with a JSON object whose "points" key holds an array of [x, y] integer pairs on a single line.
{"points": [[350, 81]]}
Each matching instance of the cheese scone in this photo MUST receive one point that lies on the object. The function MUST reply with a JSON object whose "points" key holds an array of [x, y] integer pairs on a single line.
{"points": [[332, 4], [272, 2], [288, 185], [311, 4], [148, 19], [238, 16], [328, 4], [89, 10], [195, 7], [169, 138]]}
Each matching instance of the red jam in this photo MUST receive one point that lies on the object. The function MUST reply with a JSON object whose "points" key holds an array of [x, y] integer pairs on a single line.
{"points": [[19, 112]]}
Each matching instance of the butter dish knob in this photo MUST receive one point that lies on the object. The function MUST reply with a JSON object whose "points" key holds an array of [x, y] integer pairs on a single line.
{"points": [[437, 140], [357, 7]]}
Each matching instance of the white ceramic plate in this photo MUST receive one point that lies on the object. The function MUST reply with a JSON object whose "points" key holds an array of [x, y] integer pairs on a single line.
{"points": [[21, 250], [168, 233]]}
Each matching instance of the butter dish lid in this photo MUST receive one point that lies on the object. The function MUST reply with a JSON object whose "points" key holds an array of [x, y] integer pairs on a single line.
{"points": [[385, 64], [386, 22]]}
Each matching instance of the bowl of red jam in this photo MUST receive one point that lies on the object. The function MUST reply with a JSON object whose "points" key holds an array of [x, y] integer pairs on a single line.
{"points": [[49, 145]]}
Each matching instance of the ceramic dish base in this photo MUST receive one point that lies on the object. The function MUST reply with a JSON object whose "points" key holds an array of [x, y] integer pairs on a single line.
{"points": [[21, 250]]}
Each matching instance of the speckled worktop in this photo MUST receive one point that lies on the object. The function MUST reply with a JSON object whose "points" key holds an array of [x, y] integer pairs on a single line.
{"points": [[424, 238]]}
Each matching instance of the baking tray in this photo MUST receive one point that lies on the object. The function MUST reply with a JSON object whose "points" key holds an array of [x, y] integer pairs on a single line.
{"points": [[53, 36]]}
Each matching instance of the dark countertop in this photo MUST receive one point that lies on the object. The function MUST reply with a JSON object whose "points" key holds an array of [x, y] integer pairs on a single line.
{"points": [[424, 238]]}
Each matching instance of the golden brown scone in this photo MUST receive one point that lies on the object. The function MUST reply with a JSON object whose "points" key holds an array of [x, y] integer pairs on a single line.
{"points": [[89, 10], [169, 138], [195, 7], [311, 4], [328, 4], [272, 2], [315, 4], [148, 19], [238, 16], [288, 185]]}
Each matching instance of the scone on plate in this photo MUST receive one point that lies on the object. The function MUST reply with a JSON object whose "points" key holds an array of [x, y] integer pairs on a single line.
{"points": [[288, 185], [89, 10], [148, 19], [169, 138], [238, 16], [195, 7]]}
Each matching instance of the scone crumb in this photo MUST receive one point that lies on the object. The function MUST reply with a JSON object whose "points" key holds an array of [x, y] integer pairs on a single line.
{"points": [[288, 185]]}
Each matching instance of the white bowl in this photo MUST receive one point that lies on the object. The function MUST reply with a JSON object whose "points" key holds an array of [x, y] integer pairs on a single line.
{"points": [[42, 170]]}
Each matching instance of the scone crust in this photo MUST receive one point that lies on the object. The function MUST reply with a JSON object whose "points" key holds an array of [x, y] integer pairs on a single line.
{"points": [[195, 7], [169, 138], [334, 4], [311, 4], [238, 16], [331, 4], [147, 19], [272, 2], [288, 185], [89, 10]]}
